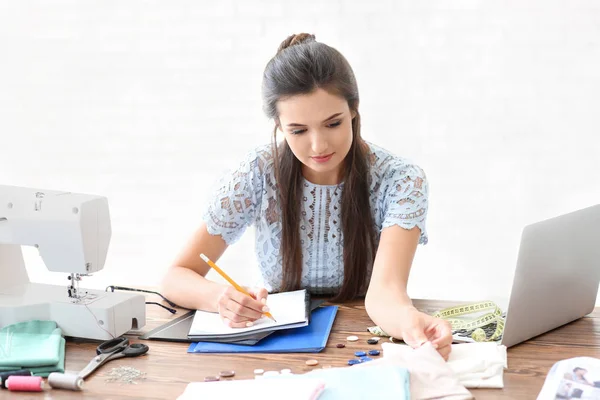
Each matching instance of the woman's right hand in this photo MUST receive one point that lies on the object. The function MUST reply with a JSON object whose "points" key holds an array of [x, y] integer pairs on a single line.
{"points": [[238, 310]]}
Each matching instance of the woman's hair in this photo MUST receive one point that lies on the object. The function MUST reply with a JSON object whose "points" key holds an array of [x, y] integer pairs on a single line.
{"points": [[301, 66]]}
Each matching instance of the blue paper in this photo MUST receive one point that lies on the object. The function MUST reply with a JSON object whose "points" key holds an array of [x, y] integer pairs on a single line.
{"points": [[308, 339]]}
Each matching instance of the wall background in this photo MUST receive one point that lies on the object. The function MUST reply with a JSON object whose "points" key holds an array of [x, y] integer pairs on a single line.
{"points": [[147, 102]]}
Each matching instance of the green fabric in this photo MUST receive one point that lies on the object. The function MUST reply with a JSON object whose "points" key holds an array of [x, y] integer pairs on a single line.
{"points": [[34, 345]]}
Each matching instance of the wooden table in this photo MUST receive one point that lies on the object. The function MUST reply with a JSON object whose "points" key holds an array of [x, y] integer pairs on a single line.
{"points": [[169, 368]]}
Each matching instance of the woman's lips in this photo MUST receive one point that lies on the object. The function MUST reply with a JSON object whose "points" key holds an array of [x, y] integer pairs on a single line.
{"points": [[322, 159]]}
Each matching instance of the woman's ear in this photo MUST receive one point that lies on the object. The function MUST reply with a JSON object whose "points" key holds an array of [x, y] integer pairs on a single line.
{"points": [[353, 114]]}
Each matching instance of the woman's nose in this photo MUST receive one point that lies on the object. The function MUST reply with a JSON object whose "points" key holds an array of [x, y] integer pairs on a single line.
{"points": [[319, 144]]}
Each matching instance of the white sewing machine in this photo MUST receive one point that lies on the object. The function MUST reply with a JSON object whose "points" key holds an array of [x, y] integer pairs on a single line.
{"points": [[72, 232]]}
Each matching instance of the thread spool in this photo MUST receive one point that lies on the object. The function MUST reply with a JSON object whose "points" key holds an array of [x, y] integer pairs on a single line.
{"points": [[65, 381], [4, 376], [16, 383]]}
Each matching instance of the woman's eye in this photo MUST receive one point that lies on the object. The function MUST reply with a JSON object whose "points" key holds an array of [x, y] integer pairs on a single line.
{"points": [[299, 131]]}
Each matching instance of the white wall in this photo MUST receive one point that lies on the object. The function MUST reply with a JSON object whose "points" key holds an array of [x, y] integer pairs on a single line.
{"points": [[147, 102]]}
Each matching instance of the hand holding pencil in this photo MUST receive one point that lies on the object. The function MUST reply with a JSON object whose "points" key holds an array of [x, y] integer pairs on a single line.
{"points": [[238, 306]]}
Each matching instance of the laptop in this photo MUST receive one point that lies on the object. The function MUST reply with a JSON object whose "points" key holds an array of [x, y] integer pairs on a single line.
{"points": [[557, 275]]}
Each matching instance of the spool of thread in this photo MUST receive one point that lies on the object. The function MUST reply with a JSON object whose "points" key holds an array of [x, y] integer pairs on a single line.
{"points": [[4, 375], [65, 381], [16, 383]]}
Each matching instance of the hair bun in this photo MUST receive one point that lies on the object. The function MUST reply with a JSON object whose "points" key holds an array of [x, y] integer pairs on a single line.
{"points": [[296, 39]]}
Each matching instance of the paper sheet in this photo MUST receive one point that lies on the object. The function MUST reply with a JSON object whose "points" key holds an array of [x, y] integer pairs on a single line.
{"points": [[264, 389], [288, 308]]}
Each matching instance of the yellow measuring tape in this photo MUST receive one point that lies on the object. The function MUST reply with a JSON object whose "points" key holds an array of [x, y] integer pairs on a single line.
{"points": [[473, 326]]}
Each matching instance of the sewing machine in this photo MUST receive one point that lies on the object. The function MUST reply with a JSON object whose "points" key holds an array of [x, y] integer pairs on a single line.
{"points": [[72, 233]]}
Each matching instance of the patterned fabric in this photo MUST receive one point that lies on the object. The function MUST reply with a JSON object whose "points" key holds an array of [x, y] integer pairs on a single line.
{"points": [[399, 195]]}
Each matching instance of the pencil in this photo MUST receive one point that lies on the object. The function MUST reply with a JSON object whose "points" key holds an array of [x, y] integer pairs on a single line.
{"points": [[228, 279]]}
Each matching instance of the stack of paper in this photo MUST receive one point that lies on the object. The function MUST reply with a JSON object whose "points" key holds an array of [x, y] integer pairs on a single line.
{"points": [[307, 339], [290, 309]]}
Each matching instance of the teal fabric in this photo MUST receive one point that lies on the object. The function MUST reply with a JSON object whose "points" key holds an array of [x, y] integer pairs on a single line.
{"points": [[363, 383], [34, 345]]}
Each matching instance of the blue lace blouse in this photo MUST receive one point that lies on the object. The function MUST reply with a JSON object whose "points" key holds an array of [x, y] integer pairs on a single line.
{"points": [[247, 196]]}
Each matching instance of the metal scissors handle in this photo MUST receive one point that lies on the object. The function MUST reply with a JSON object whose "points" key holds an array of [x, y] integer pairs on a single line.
{"points": [[113, 349]]}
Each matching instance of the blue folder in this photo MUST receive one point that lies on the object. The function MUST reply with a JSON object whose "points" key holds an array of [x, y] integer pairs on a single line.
{"points": [[308, 339]]}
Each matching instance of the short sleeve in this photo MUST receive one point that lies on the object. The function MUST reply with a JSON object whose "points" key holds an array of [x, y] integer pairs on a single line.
{"points": [[236, 200], [406, 199]]}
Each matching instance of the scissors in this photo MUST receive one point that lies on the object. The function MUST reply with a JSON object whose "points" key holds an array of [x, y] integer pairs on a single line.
{"points": [[111, 350]]}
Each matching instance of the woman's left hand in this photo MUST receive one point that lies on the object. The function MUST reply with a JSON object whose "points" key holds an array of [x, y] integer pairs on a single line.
{"points": [[419, 328]]}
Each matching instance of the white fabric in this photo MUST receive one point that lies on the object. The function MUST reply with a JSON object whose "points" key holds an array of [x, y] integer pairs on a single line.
{"points": [[475, 365], [248, 196], [479, 365]]}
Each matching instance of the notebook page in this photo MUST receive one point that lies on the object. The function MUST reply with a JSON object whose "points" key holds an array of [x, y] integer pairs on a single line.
{"points": [[287, 308], [264, 389]]}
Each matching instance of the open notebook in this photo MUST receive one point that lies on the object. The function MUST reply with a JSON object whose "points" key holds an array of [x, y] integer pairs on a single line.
{"points": [[290, 309]]}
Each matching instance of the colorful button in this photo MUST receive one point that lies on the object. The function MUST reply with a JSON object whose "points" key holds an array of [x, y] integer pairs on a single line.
{"points": [[354, 361], [360, 354], [374, 352], [340, 345], [365, 359]]}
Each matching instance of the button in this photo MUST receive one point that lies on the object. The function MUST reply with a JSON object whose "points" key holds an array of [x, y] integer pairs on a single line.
{"points": [[365, 359], [340, 345], [360, 354], [354, 361], [259, 371], [373, 352], [373, 341], [352, 338], [311, 363], [211, 378], [227, 374]]}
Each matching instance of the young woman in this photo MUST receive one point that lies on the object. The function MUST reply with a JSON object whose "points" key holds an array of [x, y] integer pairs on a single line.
{"points": [[333, 213]]}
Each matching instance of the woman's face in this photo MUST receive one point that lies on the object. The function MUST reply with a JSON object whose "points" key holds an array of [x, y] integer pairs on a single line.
{"points": [[318, 129]]}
